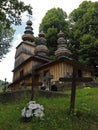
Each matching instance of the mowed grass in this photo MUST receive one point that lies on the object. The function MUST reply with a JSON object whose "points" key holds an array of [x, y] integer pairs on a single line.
{"points": [[56, 113]]}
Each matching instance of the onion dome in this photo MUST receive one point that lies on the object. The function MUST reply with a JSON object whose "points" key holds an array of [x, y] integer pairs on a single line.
{"points": [[61, 38], [62, 50], [28, 33], [42, 39], [41, 48]]}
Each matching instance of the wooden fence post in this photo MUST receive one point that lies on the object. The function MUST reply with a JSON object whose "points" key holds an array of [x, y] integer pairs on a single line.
{"points": [[32, 90], [73, 90]]}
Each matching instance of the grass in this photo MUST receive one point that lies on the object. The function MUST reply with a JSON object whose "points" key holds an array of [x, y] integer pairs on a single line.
{"points": [[0, 89], [56, 113]]}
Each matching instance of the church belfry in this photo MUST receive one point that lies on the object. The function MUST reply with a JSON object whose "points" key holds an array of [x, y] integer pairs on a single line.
{"points": [[26, 48]]}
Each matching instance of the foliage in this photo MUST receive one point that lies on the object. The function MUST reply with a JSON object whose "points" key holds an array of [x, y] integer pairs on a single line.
{"points": [[5, 41], [84, 33], [52, 22], [10, 13], [56, 113]]}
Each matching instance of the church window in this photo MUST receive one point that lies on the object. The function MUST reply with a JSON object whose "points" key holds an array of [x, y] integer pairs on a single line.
{"points": [[79, 73], [21, 73]]}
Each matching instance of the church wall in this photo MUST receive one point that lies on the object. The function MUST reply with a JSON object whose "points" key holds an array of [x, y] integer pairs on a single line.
{"points": [[27, 68], [57, 70], [25, 56], [18, 51], [86, 74], [21, 59], [16, 86], [29, 47], [61, 70], [23, 84], [68, 70]]}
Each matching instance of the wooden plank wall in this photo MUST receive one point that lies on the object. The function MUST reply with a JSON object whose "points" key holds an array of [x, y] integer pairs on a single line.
{"points": [[86, 74], [26, 68], [58, 70]]}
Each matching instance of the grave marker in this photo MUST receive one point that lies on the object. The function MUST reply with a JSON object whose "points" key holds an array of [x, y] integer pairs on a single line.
{"points": [[48, 78], [74, 80]]}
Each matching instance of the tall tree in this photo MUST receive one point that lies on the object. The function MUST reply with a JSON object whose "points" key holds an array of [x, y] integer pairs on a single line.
{"points": [[52, 22], [84, 33], [10, 13]]}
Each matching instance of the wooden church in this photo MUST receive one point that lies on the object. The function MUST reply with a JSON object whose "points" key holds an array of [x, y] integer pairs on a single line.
{"points": [[33, 65]]}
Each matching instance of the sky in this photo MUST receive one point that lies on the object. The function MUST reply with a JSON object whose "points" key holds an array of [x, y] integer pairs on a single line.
{"points": [[40, 7]]}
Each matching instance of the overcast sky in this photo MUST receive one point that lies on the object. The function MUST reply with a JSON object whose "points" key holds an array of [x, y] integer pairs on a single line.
{"points": [[40, 7]]}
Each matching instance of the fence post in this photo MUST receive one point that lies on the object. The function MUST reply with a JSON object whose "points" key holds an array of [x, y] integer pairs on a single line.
{"points": [[73, 90]]}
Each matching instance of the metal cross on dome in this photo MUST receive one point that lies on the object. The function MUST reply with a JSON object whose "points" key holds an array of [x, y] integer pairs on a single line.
{"points": [[29, 15]]}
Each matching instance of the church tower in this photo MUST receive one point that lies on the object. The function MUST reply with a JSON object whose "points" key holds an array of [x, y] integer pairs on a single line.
{"points": [[24, 51], [26, 48]]}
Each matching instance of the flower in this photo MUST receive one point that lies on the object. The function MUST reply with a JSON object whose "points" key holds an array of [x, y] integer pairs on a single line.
{"points": [[32, 109], [32, 102], [38, 113], [32, 106], [28, 113], [23, 112]]}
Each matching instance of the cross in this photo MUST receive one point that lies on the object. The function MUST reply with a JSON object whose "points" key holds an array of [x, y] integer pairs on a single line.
{"points": [[29, 15], [4, 85], [74, 80], [48, 77]]}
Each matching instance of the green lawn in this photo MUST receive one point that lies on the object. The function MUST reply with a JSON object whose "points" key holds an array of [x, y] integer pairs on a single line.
{"points": [[56, 113]]}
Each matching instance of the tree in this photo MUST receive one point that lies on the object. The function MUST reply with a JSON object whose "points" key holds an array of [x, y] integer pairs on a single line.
{"points": [[84, 33], [52, 22], [10, 13]]}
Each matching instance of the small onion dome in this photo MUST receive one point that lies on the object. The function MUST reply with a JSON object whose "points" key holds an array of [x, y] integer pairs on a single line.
{"points": [[41, 34], [61, 34], [62, 51], [41, 49], [61, 38], [29, 22], [42, 39], [28, 37], [28, 33]]}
